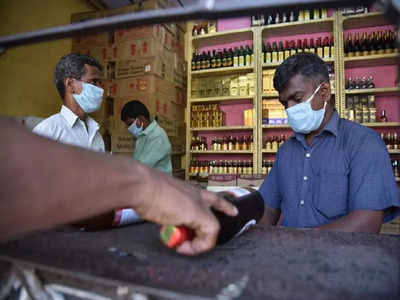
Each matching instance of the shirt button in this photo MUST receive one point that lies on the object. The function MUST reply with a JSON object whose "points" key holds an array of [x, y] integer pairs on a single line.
{"points": [[308, 155], [302, 202], [305, 178]]}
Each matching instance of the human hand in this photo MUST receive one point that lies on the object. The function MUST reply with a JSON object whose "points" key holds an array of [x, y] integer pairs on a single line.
{"points": [[169, 201]]}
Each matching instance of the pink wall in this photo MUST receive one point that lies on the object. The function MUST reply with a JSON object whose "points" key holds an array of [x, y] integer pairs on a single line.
{"points": [[233, 23]]}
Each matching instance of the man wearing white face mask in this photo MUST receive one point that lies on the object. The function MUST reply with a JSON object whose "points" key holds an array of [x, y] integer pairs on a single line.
{"points": [[152, 144], [333, 174], [77, 79]]}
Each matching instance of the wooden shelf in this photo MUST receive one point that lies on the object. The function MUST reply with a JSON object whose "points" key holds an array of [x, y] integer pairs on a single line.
{"points": [[270, 95], [223, 34], [221, 99], [223, 128], [223, 152], [371, 19], [299, 27], [372, 60], [373, 91], [382, 124], [269, 151], [394, 151], [277, 64], [225, 70], [270, 126]]}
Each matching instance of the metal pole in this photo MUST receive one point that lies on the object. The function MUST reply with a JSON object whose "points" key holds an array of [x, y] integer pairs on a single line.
{"points": [[206, 9]]}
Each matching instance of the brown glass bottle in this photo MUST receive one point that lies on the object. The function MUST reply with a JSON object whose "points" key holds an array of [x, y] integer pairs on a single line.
{"points": [[383, 117]]}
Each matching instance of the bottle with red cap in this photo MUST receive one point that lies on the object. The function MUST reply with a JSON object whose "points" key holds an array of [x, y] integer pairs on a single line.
{"points": [[250, 205]]}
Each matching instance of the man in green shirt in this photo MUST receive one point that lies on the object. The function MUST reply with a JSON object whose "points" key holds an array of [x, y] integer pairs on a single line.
{"points": [[152, 144]]}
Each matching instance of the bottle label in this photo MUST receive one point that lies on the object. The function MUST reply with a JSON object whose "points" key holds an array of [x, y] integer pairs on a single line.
{"points": [[125, 216], [238, 192], [250, 223]]}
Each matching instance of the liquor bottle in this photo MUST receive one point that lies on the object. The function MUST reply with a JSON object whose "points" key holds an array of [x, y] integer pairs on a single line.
{"points": [[225, 143], [213, 63], [247, 58], [356, 83], [244, 143], [112, 219], [274, 52], [393, 40], [356, 45], [396, 142], [364, 83], [299, 46], [287, 50], [364, 45], [251, 55], [250, 167], [281, 52], [307, 15], [348, 46], [305, 46], [250, 206], [241, 57], [237, 143], [316, 14], [236, 57], [277, 19], [312, 46], [208, 60], [264, 167], [274, 143], [284, 17], [224, 55], [251, 143], [203, 28], [268, 144], [230, 143], [332, 47], [371, 43], [194, 56], [195, 30], [263, 47], [324, 13], [320, 50], [387, 42], [326, 47], [383, 117], [379, 43], [268, 53], [292, 17], [292, 48], [301, 15], [219, 59], [270, 19]]}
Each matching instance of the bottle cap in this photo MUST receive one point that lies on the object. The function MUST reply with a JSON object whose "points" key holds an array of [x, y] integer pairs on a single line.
{"points": [[173, 236]]}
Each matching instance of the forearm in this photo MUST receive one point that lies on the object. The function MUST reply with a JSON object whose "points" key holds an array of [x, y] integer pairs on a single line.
{"points": [[271, 216], [44, 183], [357, 221]]}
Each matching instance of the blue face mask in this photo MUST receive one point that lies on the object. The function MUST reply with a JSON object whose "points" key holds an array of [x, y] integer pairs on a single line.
{"points": [[303, 119], [90, 98], [136, 131]]}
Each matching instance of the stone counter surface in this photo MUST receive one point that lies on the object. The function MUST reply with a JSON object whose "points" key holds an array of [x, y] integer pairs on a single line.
{"points": [[280, 263]]}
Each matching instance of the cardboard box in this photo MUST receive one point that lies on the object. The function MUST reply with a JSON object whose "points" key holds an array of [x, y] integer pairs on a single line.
{"points": [[122, 141], [142, 48], [222, 180], [139, 67], [250, 180], [130, 87], [139, 32]]}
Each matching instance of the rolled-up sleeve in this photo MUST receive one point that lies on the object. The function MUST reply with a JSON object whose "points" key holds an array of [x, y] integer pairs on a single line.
{"points": [[372, 185]]}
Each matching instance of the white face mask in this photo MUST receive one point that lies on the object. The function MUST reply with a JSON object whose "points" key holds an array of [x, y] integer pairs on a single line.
{"points": [[90, 98], [302, 118]]}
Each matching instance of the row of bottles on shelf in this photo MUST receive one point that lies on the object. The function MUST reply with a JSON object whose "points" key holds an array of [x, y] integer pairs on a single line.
{"points": [[239, 57], [225, 143], [221, 86], [207, 115], [391, 140], [206, 167], [354, 10], [370, 44], [267, 166], [362, 109], [273, 143], [359, 83], [396, 168], [278, 51], [287, 17], [204, 27]]}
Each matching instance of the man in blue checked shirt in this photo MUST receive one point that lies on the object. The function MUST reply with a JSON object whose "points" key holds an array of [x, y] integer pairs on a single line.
{"points": [[152, 144], [333, 173]]}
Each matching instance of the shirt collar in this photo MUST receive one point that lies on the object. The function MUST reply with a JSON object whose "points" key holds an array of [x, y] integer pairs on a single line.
{"points": [[150, 128], [71, 118], [68, 115]]}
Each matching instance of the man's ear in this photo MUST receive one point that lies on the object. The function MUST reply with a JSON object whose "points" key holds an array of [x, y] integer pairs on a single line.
{"points": [[69, 85], [326, 91]]}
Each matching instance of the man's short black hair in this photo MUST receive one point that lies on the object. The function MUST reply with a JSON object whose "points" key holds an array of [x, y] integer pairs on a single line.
{"points": [[306, 64], [72, 66], [133, 109]]}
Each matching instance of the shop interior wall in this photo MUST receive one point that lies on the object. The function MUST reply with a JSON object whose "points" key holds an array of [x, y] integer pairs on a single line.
{"points": [[26, 73]]}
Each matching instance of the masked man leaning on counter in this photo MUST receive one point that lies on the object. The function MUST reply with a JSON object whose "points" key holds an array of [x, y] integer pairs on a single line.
{"points": [[333, 173]]}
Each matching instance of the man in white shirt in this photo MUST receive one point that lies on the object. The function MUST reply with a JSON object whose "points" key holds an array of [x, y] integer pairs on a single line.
{"points": [[77, 79]]}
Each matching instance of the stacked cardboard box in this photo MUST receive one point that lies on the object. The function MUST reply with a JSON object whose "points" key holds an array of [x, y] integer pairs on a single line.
{"points": [[273, 112], [141, 63]]}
